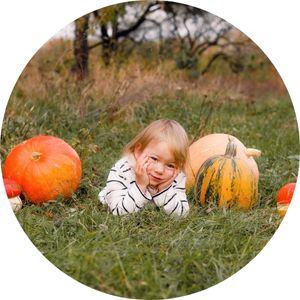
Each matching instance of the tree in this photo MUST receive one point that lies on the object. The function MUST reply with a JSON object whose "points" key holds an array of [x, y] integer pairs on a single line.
{"points": [[116, 25], [201, 37], [81, 48], [110, 26]]}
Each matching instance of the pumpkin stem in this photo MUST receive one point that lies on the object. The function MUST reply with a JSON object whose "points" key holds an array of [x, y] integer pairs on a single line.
{"points": [[35, 155], [231, 147], [253, 152]]}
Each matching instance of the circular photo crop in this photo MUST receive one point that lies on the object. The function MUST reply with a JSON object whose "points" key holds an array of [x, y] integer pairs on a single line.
{"points": [[156, 152]]}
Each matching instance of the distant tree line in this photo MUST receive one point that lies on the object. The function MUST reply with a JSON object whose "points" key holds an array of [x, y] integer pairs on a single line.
{"points": [[195, 31]]}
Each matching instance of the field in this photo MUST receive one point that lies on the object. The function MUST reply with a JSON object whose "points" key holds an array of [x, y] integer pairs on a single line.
{"points": [[150, 255]]}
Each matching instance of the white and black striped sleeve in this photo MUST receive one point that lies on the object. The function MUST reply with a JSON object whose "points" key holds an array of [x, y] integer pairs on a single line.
{"points": [[121, 195], [173, 199]]}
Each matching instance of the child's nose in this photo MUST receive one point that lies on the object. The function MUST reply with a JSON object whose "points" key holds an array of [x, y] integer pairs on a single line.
{"points": [[159, 167]]}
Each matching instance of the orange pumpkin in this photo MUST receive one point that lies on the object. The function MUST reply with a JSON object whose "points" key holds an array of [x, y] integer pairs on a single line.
{"points": [[45, 167], [13, 192], [285, 193], [284, 197], [215, 144], [12, 188]]}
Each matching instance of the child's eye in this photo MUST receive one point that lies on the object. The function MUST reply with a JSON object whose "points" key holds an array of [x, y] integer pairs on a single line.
{"points": [[171, 166]]}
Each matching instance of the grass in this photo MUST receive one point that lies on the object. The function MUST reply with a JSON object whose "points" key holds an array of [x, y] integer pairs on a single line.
{"points": [[150, 255], [147, 255]]}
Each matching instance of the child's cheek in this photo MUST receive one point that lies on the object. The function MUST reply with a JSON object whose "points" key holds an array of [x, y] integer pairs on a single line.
{"points": [[174, 173], [149, 168], [170, 174]]}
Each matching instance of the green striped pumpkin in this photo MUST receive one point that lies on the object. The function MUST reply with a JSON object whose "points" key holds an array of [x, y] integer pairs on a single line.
{"points": [[226, 181]]}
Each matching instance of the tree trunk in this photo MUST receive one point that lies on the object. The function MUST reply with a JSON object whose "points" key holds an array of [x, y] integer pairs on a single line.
{"points": [[109, 43], [106, 53], [81, 48]]}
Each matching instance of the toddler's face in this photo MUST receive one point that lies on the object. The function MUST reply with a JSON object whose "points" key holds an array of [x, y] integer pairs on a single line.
{"points": [[162, 165]]}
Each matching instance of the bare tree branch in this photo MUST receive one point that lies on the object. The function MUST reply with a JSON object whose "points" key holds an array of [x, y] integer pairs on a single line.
{"points": [[212, 59], [142, 18]]}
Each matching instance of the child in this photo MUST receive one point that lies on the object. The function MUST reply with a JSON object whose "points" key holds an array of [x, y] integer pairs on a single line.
{"points": [[150, 171]]}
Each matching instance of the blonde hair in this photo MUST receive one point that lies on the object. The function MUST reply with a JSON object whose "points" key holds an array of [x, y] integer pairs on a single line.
{"points": [[165, 130]]}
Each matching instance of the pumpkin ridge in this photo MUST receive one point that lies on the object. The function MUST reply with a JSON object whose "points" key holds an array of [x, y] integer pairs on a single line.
{"points": [[225, 188], [255, 189], [200, 177], [12, 169], [248, 190], [36, 173], [210, 191], [238, 187], [235, 175], [217, 182], [198, 187]]}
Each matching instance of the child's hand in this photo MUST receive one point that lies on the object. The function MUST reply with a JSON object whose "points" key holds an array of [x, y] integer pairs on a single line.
{"points": [[167, 183], [141, 175]]}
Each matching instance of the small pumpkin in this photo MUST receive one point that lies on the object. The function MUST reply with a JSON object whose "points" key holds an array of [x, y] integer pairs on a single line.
{"points": [[45, 167], [215, 144], [284, 197], [12, 188], [285, 193], [13, 192], [226, 180]]}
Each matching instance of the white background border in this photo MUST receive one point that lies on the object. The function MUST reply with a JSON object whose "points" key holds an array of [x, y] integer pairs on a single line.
{"points": [[25, 26]]}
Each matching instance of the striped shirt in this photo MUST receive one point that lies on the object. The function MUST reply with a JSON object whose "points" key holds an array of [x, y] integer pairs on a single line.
{"points": [[123, 195]]}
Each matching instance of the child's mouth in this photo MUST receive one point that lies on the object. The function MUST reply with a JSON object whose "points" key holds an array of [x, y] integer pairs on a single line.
{"points": [[155, 178]]}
